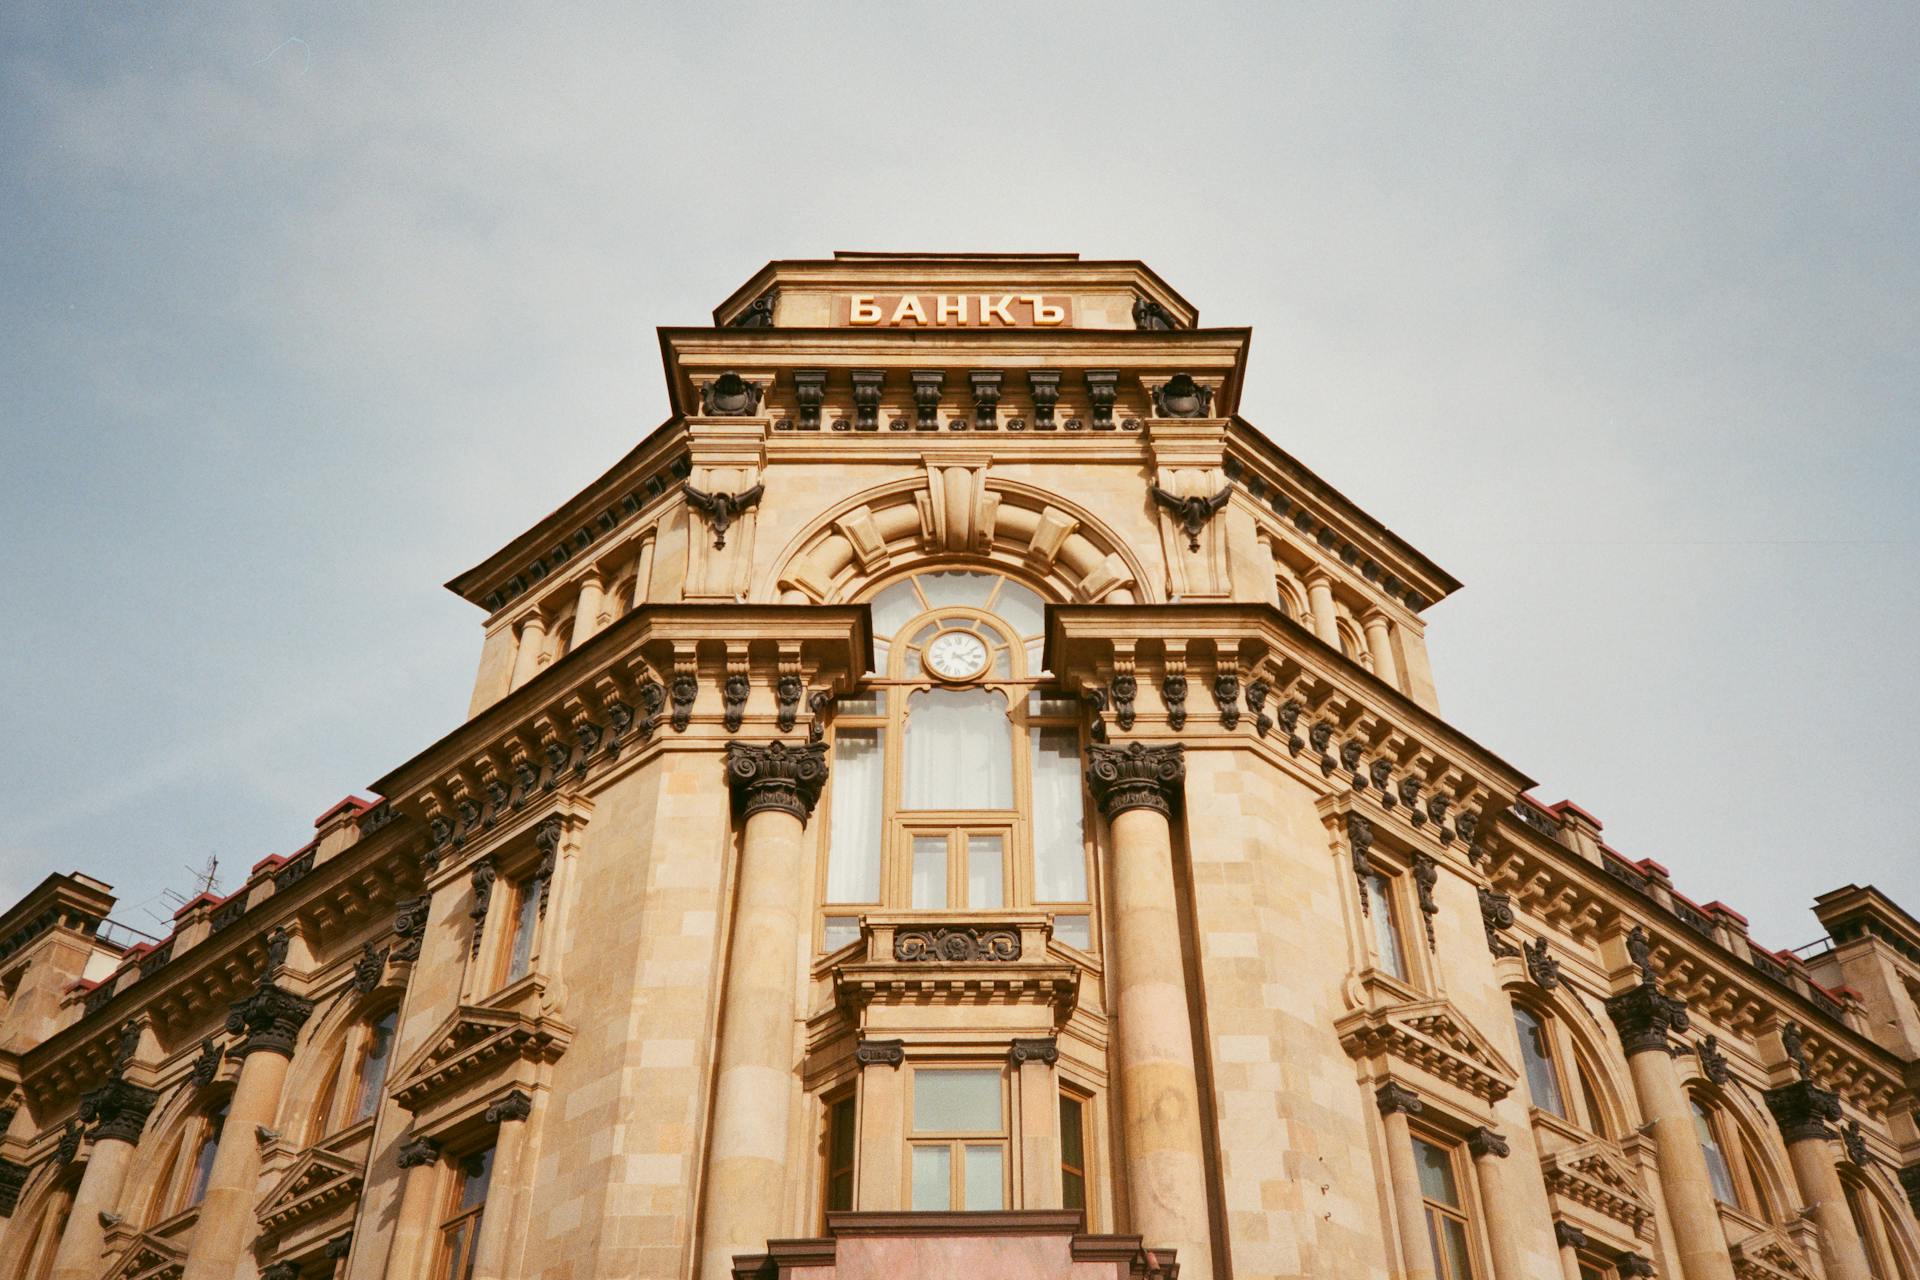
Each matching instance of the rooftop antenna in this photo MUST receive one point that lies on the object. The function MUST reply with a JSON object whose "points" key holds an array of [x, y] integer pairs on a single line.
{"points": [[205, 880]]}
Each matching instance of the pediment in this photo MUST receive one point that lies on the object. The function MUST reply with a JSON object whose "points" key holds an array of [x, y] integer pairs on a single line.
{"points": [[474, 1043], [1434, 1036], [317, 1182], [1769, 1255], [1595, 1174], [148, 1259]]}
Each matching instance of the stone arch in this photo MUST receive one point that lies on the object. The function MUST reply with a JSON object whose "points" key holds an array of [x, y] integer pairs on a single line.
{"points": [[1759, 1140], [957, 510]]}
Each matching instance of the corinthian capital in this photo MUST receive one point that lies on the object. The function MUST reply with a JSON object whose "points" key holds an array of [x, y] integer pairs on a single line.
{"points": [[777, 776], [270, 1019], [1136, 776], [117, 1110]]}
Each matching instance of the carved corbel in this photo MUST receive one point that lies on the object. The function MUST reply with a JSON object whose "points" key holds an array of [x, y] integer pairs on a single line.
{"points": [[957, 513], [685, 687], [1044, 386], [736, 687], [927, 386], [1226, 694], [1173, 685], [1123, 687], [809, 390], [985, 384], [867, 384], [525, 768], [555, 749], [730, 396], [494, 786]]}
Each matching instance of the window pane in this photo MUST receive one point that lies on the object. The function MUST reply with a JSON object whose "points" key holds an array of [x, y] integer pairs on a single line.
{"points": [[871, 703], [1073, 1163], [956, 586], [457, 1242], [932, 1178], [203, 1159], [891, 609], [1386, 930], [1040, 703], [1459, 1261], [1075, 931], [930, 873], [853, 849], [840, 1146], [1023, 609], [373, 1070], [1436, 1173], [837, 931], [956, 1101], [526, 916], [983, 1178], [476, 1172], [1717, 1171], [986, 874], [959, 750], [1537, 1053], [1596, 1118], [1059, 845]]}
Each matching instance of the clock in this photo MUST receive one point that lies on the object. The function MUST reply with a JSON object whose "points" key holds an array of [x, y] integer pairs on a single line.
{"points": [[956, 655]]}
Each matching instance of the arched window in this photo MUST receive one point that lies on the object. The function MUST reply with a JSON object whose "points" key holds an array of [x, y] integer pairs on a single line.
{"points": [[1557, 1080], [956, 771], [1733, 1162], [353, 1086], [206, 1147], [1878, 1236]]}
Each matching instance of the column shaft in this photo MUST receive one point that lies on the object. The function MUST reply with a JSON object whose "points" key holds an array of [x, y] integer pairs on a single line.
{"points": [[1699, 1241], [1380, 645], [226, 1225], [1320, 600], [1570, 1262], [504, 1203], [586, 613], [746, 1159], [1409, 1206], [533, 642], [413, 1219], [78, 1257], [1503, 1232], [1039, 1134], [1819, 1182], [1160, 1093]]}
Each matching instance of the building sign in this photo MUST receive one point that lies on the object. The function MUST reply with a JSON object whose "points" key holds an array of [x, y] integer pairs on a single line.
{"points": [[954, 310]]}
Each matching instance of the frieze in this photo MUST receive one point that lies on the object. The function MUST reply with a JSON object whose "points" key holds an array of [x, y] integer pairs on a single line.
{"points": [[777, 777], [958, 944], [1136, 776]]}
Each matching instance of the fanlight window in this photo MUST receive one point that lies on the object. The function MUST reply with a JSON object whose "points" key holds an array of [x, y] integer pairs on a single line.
{"points": [[956, 770]]}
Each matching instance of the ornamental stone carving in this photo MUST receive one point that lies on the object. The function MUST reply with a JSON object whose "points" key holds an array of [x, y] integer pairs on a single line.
{"points": [[787, 692], [515, 1106], [960, 944], [1173, 692], [729, 396], [1803, 1110], [778, 777], [1038, 1049], [1192, 513], [415, 1152], [1136, 776], [206, 1066], [722, 509], [1910, 1183], [69, 1143], [281, 1271], [1568, 1236], [1854, 1140], [1123, 689], [338, 1247], [270, 1019], [685, 689], [410, 926], [117, 1110], [1633, 1266], [1646, 1018], [1542, 968], [1485, 1142], [1496, 913], [1713, 1063], [733, 700], [1360, 840], [1392, 1097], [1426, 875], [1182, 397], [1226, 696], [368, 968], [880, 1053]]}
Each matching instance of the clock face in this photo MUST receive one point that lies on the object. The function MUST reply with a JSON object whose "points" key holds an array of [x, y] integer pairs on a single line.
{"points": [[956, 655]]}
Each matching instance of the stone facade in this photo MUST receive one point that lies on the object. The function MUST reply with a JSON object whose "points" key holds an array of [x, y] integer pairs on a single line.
{"points": [[956, 797]]}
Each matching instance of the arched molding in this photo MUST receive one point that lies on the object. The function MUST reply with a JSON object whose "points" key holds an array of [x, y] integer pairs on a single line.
{"points": [[1605, 1066], [1014, 527], [1293, 596], [1877, 1185], [327, 1038]]}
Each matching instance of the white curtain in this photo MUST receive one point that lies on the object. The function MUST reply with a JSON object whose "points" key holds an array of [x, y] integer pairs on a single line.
{"points": [[853, 852], [959, 750], [1059, 846]]}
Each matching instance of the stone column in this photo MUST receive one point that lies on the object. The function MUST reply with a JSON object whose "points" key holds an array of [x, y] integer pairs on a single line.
{"points": [[877, 1167], [775, 788], [413, 1219], [1644, 1018], [503, 1194], [118, 1111], [1802, 1110], [1488, 1149], [1159, 1090], [270, 1020], [1380, 645], [642, 572], [586, 612], [1396, 1103], [1320, 600], [1034, 1062], [1571, 1240], [533, 641]]}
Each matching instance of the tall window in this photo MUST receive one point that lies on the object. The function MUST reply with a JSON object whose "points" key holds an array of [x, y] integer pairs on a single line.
{"points": [[207, 1147], [460, 1230], [1446, 1211], [958, 1146], [1536, 1051], [1389, 954], [842, 1136], [526, 918], [1073, 1151], [376, 1055], [1707, 1129], [957, 774]]}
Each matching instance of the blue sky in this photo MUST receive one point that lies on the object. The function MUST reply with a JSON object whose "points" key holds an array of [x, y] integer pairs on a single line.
{"points": [[304, 308]]}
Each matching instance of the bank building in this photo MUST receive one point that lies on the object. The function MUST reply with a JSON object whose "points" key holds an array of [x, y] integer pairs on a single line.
{"points": [[956, 800]]}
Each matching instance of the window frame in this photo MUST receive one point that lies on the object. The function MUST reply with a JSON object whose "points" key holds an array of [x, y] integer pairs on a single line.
{"points": [[956, 1141], [1469, 1213], [1032, 704], [844, 1099], [1072, 1095], [451, 1261]]}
